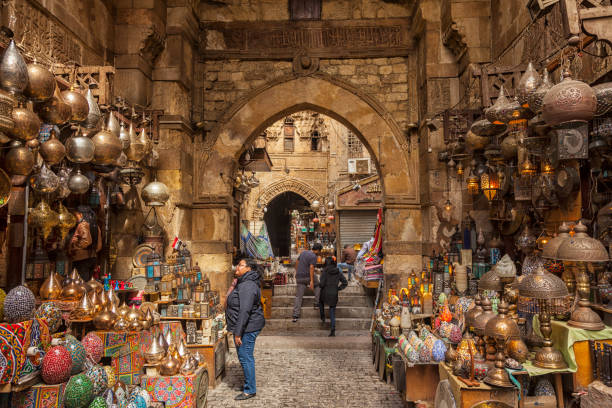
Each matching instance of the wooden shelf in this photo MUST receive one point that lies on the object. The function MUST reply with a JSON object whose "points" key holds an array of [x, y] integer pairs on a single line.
{"points": [[184, 318], [200, 345]]}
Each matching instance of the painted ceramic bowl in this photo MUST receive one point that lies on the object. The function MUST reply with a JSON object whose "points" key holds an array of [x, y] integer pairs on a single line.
{"points": [[19, 304], [77, 352], [51, 314], [93, 346], [78, 392], [439, 350], [56, 365]]}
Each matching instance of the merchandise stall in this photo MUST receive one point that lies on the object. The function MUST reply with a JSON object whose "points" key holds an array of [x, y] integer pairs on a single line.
{"points": [[516, 295]]}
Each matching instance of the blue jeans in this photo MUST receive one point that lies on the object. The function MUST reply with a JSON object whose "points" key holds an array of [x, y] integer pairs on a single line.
{"points": [[351, 268], [332, 314], [247, 361]]}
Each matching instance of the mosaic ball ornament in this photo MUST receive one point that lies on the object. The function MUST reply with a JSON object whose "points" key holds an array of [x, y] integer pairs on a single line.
{"points": [[110, 376], [94, 347], [445, 329], [455, 335], [438, 351], [412, 336], [463, 304], [98, 402], [121, 393], [77, 352], [79, 392], [413, 355], [137, 399], [56, 365], [424, 333], [2, 297], [19, 304], [51, 314], [97, 376], [437, 323], [425, 354], [544, 388]]}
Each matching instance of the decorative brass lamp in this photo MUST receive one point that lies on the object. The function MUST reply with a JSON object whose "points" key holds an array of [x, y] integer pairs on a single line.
{"points": [[578, 252], [545, 288], [500, 325], [471, 314], [489, 183], [480, 322], [497, 375]]}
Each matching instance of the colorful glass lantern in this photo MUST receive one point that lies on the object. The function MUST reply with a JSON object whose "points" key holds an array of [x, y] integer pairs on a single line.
{"points": [[489, 183]]}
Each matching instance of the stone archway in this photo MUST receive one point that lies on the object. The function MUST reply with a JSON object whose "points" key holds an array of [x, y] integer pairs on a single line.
{"points": [[275, 189], [396, 155]]}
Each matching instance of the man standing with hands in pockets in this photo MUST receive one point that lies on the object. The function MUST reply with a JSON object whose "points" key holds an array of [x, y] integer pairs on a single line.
{"points": [[305, 276]]}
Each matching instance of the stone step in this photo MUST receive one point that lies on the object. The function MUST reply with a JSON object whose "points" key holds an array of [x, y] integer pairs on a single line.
{"points": [[313, 339], [309, 312], [305, 323], [343, 300], [289, 290]]}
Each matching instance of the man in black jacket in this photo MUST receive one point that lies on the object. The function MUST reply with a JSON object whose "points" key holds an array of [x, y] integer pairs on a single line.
{"points": [[244, 316]]}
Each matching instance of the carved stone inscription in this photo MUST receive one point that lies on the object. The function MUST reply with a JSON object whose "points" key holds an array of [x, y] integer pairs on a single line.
{"points": [[389, 37]]}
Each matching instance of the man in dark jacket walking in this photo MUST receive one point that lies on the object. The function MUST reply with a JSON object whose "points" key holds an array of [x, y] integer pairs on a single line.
{"points": [[305, 276], [244, 316], [330, 278]]}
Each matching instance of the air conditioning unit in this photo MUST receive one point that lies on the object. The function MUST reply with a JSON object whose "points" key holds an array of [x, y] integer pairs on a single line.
{"points": [[359, 166]]}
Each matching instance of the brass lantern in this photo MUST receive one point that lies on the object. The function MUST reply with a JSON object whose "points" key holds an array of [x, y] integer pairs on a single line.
{"points": [[472, 183], [489, 183]]}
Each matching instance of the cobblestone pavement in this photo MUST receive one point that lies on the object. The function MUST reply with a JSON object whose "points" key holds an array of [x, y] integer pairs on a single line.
{"points": [[307, 379]]}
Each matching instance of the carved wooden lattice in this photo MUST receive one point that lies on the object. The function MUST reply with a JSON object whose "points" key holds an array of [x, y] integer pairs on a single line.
{"points": [[97, 78]]}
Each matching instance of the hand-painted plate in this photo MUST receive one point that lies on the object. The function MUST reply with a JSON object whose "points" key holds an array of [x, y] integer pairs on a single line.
{"points": [[141, 253]]}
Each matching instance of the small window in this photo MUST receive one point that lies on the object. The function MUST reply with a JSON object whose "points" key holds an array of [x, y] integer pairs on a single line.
{"points": [[288, 144], [288, 134], [315, 141], [355, 147], [305, 9]]}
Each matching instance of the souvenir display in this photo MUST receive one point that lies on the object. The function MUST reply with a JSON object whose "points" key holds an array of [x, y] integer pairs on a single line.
{"points": [[98, 378], [77, 354], [51, 314], [79, 392], [56, 365], [93, 346], [19, 304]]}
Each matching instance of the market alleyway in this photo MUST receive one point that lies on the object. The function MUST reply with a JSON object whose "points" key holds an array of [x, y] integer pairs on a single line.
{"points": [[310, 372]]}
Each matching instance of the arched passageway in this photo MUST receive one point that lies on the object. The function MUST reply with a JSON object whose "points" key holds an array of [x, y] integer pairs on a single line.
{"points": [[278, 220]]}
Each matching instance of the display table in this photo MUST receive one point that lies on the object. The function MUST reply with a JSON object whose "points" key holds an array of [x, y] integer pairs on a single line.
{"points": [[383, 348], [179, 391], [466, 397], [421, 380], [573, 343], [113, 342], [214, 355]]}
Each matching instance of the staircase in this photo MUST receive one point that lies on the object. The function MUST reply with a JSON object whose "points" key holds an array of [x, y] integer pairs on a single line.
{"points": [[353, 312]]}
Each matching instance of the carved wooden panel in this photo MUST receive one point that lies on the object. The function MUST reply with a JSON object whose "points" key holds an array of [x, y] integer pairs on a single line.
{"points": [[331, 39], [97, 78], [305, 9]]}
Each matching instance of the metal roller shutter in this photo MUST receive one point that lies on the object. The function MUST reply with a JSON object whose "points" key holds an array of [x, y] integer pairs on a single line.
{"points": [[356, 226]]}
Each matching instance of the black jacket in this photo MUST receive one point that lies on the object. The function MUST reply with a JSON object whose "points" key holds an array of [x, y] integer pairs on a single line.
{"points": [[330, 277], [244, 313]]}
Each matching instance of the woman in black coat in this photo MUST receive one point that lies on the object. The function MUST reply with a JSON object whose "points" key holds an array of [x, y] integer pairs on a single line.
{"points": [[244, 317], [330, 282]]}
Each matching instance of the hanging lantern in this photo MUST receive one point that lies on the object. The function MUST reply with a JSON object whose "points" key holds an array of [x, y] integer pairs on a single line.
{"points": [[137, 148], [80, 149], [569, 100], [547, 167], [330, 217], [41, 83], [315, 219], [13, 70], [77, 102], [527, 168], [315, 205], [448, 206], [472, 183], [460, 169], [155, 194], [489, 183], [92, 122], [528, 83]]}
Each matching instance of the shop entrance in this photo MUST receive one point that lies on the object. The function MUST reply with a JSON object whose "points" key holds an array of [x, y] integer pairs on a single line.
{"points": [[278, 220]]}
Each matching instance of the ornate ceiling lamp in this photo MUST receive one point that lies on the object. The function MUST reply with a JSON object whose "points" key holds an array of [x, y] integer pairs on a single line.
{"points": [[536, 98], [544, 288], [528, 84], [578, 253], [489, 183], [549, 251], [569, 101]]}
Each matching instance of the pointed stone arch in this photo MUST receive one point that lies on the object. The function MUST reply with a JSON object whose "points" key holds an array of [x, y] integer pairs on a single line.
{"points": [[282, 186]]}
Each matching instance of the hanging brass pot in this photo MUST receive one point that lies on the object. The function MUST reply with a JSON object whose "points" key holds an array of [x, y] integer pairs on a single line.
{"points": [[77, 102], [13, 70], [169, 364], [155, 353], [155, 194], [107, 147], [123, 310], [112, 125], [45, 181], [78, 183], [43, 218], [96, 301], [51, 287], [528, 83], [52, 151], [41, 83], [79, 149], [26, 124], [138, 147], [55, 110], [569, 100], [19, 161]]}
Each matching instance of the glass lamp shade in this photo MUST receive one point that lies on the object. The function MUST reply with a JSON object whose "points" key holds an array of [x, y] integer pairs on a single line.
{"points": [[527, 168], [489, 184], [472, 184], [549, 250]]}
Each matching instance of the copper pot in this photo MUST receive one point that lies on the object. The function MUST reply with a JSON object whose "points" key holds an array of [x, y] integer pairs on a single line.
{"points": [[170, 365], [78, 103], [80, 149], [107, 147], [51, 287], [55, 110], [52, 151], [19, 161], [26, 124], [41, 83], [104, 320]]}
